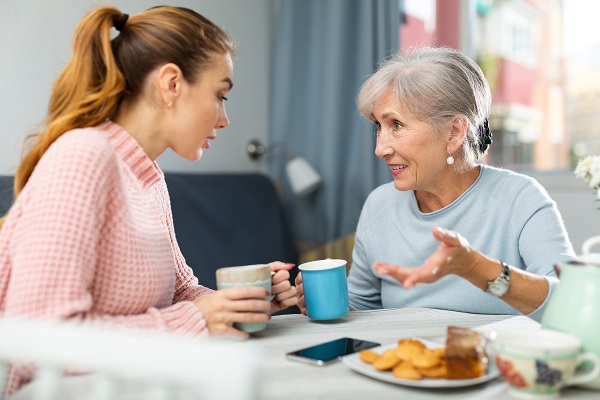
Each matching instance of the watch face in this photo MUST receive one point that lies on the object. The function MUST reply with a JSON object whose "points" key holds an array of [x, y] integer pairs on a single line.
{"points": [[498, 288], [500, 285]]}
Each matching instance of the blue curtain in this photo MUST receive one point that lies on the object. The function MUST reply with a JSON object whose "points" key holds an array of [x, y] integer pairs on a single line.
{"points": [[324, 50]]}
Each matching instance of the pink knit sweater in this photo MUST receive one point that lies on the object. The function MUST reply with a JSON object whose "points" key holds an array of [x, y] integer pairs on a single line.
{"points": [[91, 238]]}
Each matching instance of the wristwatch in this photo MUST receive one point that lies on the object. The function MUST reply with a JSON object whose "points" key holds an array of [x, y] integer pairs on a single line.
{"points": [[499, 286]]}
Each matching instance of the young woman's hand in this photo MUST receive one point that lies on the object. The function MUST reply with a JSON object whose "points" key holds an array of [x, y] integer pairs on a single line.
{"points": [[222, 308], [284, 292]]}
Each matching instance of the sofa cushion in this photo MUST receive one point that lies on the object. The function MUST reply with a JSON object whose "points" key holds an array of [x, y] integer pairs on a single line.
{"points": [[6, 193]]}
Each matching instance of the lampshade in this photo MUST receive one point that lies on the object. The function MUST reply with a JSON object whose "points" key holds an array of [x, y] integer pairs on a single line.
{"points": [[302, 176]]}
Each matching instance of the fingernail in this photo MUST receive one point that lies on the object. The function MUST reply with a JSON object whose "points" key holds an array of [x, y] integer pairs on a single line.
{"points": [[441, 231], [435, 270]]}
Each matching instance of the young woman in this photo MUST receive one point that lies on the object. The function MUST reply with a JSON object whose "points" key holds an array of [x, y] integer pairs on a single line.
{"points": [[90, 235]]}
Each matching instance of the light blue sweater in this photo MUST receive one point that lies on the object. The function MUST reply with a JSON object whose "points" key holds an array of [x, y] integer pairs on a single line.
{"points": [[504, 215]]}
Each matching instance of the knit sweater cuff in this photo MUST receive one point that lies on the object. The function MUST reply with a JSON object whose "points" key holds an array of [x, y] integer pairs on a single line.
{"points": [[536, 315], [183, 319]]}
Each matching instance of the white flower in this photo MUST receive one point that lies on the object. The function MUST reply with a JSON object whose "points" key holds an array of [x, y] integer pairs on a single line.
{"points": [[595, 173], [583, 167], [588, 169]]}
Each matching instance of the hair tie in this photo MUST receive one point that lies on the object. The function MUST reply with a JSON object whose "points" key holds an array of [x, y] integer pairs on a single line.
{"points": [[485, 134], [119, 25]]}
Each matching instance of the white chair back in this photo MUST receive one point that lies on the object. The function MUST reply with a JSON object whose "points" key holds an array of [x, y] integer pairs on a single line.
{"points": [[126, 365]]}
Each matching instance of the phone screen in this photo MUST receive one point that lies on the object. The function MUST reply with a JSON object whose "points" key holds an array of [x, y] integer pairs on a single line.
{"points": [[330, 351]]}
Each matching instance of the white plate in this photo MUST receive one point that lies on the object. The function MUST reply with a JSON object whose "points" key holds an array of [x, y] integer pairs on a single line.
{"points": [[355, 363]]}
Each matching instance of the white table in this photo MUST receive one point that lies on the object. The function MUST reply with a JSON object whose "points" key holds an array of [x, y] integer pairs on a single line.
{"points": [[286, 379], [281, 378]]}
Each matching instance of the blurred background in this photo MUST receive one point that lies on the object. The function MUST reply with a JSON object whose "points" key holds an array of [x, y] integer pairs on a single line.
{"points": [[299, 68], [542, 60]]}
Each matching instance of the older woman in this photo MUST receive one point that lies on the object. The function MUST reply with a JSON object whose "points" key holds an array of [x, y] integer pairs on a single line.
{"points": [[448, 233]]}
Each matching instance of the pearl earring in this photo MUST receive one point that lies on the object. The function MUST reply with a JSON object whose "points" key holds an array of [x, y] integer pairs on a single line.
{"points": [[450, 160]]}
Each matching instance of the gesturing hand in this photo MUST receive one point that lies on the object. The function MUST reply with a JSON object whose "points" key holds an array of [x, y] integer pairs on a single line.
{"points": [[454, 255], [222, 308]]}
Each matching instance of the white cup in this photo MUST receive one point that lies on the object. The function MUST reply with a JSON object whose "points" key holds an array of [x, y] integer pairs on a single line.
{"points": [[537, 364]]}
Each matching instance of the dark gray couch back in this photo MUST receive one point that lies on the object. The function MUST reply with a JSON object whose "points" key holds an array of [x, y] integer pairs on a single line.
{"points": [[220, 220], [6, 193], [228, 219]]}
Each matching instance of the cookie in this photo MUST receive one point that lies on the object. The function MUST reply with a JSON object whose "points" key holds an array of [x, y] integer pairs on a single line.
{"points": [[368, 356], [438, 371], [406, 372], [426, 359], [386, 361], [412, 342], [408, 350]]}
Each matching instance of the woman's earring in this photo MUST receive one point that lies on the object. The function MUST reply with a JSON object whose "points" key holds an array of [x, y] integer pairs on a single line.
{"points": [[169, 105], [450, 160]]}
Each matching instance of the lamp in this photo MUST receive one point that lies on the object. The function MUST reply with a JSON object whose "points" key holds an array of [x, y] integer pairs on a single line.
{"points": [[302, 176]]}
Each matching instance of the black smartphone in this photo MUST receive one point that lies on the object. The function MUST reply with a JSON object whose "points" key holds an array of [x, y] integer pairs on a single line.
{"points": [[327, 352]]}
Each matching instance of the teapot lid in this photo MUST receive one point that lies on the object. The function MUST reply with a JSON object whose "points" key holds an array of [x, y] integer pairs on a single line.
{"points": [[589, 259]]}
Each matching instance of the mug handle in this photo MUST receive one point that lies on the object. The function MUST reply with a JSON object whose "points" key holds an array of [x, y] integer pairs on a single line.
{"points": [[586, 377], [589, 243]]}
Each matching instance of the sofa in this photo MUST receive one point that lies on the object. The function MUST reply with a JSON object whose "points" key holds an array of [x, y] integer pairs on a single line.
{"points": [[6, 193], [228, 219], [221, 220]]}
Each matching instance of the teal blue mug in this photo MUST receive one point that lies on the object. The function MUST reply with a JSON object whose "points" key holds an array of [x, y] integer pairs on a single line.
{"points": [[325, 288]]}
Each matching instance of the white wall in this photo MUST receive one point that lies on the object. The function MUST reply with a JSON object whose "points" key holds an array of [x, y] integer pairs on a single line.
{"points": [[35, 44]]}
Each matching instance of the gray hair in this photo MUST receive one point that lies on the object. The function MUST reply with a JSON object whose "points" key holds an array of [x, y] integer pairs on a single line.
{"points": [[435, 84]]}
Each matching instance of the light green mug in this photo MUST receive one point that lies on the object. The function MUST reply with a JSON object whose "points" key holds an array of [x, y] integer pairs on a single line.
{"points": [[246, 275]]}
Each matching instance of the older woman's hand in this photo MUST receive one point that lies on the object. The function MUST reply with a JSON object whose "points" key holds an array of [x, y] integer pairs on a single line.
{"points": [[300, 294], [285, 293], [453, 256]]}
